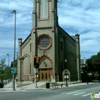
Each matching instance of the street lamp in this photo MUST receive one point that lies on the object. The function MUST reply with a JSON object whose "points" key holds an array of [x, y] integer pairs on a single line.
{"points": [[14, 12], [8, 58], [65, 60], [66, 76]]}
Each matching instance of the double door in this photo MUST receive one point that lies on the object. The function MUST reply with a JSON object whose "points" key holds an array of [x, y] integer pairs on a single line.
{"points": [[45, 74]]}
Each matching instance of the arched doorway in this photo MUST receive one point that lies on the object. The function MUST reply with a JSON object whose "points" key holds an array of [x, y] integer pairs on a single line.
{"points": [[66, 70], [45, 73], [45, 69]]}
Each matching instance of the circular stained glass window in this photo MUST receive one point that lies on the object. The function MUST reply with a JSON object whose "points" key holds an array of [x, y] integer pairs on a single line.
{"points": [[44, 42]]}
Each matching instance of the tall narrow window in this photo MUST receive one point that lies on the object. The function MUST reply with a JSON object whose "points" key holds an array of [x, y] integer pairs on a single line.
{"points": [[43, 9], [62, 66], [61, 45]]}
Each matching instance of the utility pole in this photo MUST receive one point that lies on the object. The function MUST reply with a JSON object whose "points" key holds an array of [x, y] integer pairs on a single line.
{"points": [[14, 12]]}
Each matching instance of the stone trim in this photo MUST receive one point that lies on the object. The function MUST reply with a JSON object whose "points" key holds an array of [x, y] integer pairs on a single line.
{"points": [[48, 59], [42, 19]]}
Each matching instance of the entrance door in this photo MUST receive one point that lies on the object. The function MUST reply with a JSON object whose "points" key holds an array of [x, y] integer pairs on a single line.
{"points": [[44, 74]]}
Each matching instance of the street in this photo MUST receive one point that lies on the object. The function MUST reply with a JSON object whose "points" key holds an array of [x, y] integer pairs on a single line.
{"points": [[65, 93]]}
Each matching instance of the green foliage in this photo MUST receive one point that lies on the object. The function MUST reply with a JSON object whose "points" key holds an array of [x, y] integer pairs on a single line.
{"points": [[2, 66], [95, 60], [94, 64], [90, 65], [4, 70], [7, 73], [96, 74]]}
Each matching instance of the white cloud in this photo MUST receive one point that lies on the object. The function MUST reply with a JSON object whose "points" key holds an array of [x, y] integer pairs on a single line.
{"points": [[75, 16], [82, 16], [89, 41]]}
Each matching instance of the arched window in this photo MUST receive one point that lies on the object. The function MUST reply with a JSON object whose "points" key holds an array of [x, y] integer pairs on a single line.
{"points": [[43, 9]]}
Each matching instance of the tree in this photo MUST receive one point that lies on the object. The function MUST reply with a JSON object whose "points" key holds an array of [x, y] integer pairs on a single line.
{"points": [[90, 65], [96, 74], [2, 67], [94, 64], [7, 73]]}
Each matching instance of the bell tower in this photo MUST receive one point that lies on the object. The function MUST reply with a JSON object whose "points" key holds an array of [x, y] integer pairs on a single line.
{"points": [[44, 13], [44, 36]]}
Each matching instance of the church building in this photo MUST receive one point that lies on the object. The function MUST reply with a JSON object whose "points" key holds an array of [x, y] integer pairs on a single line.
{"points": [[48, 50]]}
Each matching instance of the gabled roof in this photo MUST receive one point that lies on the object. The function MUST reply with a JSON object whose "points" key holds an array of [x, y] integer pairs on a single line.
{"points": [[66, 33], [26, 39]]}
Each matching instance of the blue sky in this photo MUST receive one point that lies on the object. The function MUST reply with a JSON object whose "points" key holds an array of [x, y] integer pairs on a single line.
{"points": [[75, 16]]}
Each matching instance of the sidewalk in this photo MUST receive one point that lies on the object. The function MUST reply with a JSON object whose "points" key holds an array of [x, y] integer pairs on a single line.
{"points": [[9, 88], [43, 85], [40, 85]]}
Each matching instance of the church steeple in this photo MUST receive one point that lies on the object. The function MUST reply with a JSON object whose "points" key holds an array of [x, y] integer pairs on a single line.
{"points": [[45, 13], [43, 10]]}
